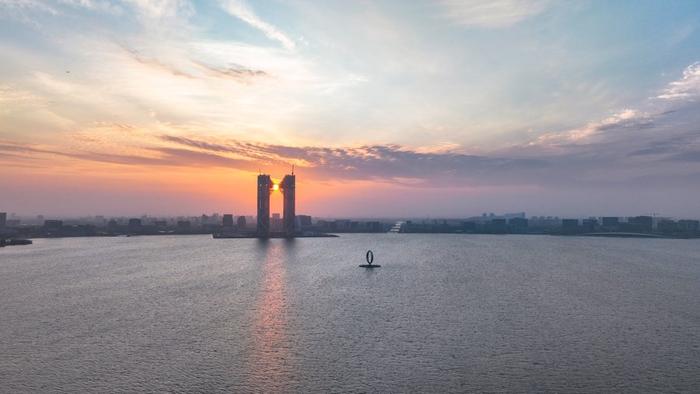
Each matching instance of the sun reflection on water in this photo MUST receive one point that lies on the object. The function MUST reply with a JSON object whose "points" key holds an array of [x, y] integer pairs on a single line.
{"points": [[269, 363]]}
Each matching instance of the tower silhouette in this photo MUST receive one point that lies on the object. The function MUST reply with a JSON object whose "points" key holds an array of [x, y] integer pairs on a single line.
{"points": [[288, 189]]}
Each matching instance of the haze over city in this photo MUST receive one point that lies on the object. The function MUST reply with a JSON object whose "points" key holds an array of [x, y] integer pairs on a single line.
{"points": [[386, 109]]}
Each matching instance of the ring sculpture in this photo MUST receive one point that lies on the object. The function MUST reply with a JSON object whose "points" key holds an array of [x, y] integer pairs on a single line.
{"points": [[370, 258]]}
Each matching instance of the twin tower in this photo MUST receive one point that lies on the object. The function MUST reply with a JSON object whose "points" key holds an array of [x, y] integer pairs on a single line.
{"points": [[287, 187]]}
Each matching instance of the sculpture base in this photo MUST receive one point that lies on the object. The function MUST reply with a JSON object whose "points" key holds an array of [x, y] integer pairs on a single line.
{"points": [[370, 265]]}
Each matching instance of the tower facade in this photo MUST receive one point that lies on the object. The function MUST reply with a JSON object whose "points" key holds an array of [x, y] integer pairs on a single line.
{"points": [[264, 187], [288, 187]]}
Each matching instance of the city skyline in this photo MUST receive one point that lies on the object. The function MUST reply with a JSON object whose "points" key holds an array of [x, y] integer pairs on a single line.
{"points": [[386, 109]]}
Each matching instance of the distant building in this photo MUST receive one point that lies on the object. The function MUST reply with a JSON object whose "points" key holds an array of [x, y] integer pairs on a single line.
{"points": [[228, 220], [498, 226], [589, 225], [276, 222], [544, 222], [520, 215], [611, 222], [341, 225], [569, 226], [263, 219], [241, 223], [640, 224], [3, 219], [135, 225], [324, 225], [288, 187], [304, 220], [689, 226], [667, 226], [374, 227], [467, 227], [53, 224], [518, 224], [184, 225]]}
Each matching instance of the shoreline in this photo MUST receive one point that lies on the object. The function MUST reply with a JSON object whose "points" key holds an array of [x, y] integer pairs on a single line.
{"points": [[12, 242]]}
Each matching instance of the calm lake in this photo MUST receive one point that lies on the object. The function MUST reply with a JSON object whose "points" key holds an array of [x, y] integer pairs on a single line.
{"points": [[444, 313]]}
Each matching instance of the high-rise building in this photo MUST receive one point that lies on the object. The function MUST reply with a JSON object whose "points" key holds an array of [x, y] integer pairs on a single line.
{"points": [[228, 220], [264, 187], [288, 187], [241, 222], [304, 220], [276, 222], [3, 219]]}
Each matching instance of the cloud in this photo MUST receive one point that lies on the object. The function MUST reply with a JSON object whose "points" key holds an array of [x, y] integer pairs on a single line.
{"points": [[28, 5], [233, 71], [491, 13], [156, 64], [686, 88], [95, 5], [626, 118], [159, 9], [9, 94], [159, 156], [668, 120], [242, 11], [387, 163], [689, 156], [658, 141]]}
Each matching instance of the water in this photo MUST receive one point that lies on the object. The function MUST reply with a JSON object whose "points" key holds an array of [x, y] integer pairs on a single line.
{"points": [[444, 313]]}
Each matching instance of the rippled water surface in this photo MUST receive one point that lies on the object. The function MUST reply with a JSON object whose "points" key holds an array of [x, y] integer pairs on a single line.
{"points": [[444, 313]]}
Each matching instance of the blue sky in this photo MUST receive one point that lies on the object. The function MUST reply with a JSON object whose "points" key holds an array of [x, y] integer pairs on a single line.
{"points": [[538, 98]]}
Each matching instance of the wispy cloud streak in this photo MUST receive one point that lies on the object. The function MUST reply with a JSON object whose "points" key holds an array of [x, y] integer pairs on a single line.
{"points": [[241, 10], [491, 13], [687, 87]]}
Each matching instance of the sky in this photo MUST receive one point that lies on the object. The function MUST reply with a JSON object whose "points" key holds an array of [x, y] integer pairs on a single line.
{"points": [[439, 108]]}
